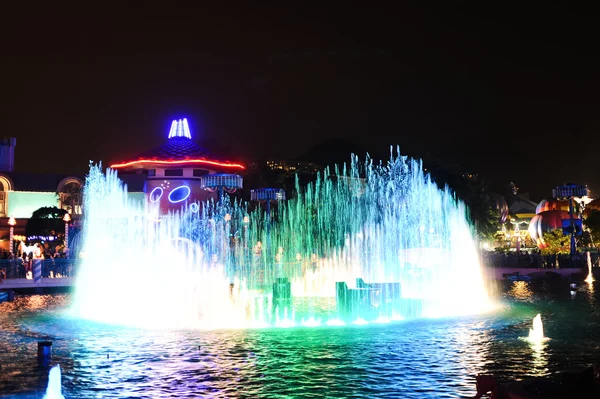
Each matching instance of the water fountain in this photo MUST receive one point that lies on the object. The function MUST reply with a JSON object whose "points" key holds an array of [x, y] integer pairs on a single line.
{"points": [[536, 334], [590, 277], [399, 246], [54, 390]]}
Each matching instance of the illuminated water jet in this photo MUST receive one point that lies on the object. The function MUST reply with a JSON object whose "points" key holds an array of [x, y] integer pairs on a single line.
{"points": [[54, 390], [536, 334], [221, 266], [590, 277]]}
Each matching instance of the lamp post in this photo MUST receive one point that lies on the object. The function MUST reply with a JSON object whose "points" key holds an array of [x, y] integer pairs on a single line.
{"points": [[67, 219], [11, 222]]}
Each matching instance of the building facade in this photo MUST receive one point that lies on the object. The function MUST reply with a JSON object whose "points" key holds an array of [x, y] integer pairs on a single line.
{"points": [[180, 172], [175, 174]]}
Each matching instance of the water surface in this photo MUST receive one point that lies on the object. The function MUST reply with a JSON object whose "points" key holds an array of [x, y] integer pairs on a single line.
{"points": [[436, 358]]}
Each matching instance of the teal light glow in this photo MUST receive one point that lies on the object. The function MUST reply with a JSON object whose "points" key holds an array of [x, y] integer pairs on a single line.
{"points": [[21, 204], [137, 198]]}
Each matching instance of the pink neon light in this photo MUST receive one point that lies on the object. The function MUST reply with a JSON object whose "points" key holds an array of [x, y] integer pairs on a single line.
{"points": [[203, 161]]}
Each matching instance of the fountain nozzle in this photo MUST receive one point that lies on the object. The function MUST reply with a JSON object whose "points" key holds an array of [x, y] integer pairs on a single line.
{"points": [[44, 353]]}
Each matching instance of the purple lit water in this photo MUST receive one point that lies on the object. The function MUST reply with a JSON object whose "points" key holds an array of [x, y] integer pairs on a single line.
{"points": [[424, 358]]}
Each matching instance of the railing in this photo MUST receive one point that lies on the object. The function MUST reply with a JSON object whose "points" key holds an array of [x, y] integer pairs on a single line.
{"points": [[61, 267], [16, 268], [536, 260]]}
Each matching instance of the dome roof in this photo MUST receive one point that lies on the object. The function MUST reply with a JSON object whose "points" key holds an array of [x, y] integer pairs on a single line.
{"points": [[178, 150]]}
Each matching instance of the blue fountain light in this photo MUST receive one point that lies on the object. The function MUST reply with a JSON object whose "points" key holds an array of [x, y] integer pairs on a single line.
{"points": [[179, 194]]}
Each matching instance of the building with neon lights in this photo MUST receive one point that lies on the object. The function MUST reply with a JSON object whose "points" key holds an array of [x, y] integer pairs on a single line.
{"points": [[180, 172], [175, 174], [23, 193]]}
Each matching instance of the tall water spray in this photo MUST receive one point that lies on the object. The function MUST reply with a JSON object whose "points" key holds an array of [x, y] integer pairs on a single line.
{"points": [[54, 389], [536, 334], [221, 265], [590, 277]]}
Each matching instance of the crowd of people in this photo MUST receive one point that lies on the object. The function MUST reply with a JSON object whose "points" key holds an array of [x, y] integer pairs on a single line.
{"points": [[56, 264], [59, 264]]}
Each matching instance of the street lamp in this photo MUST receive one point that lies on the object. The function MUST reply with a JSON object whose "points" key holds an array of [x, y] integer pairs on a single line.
{"points": [[11, 222], [67, 219]]}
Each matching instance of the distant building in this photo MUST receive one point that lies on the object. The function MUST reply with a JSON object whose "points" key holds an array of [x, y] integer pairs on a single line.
{"points": [[470, 176], [292, 167], [520, 207], [519, 212], [275, 165], [21, 194], [180, 172]]}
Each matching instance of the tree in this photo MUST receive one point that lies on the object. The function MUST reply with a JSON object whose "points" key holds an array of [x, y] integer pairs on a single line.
{"points": [[592, 222], [556, 243], [46, 222]]}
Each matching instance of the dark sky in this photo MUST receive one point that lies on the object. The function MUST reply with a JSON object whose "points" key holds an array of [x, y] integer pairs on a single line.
{"points": [[509, 93]]}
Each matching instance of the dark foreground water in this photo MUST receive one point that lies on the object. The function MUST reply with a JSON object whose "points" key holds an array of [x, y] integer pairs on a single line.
{"points": [[409, 359]]}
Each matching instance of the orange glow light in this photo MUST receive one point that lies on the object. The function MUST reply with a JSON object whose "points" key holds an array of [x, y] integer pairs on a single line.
{"points": [[202, 161]]}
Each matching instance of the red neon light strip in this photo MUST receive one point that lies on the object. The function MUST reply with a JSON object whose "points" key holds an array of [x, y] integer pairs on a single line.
{"points": [[223, 164]]}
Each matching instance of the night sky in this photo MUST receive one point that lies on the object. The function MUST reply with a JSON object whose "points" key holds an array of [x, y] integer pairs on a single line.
{"points": [[509, 93]]}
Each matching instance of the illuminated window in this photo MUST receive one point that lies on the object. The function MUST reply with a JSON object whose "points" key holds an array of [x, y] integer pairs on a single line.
{"points": [[173, 172]]}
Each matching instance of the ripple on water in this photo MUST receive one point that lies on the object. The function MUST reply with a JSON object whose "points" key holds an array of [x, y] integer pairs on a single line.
{"points": [[411, 359]]}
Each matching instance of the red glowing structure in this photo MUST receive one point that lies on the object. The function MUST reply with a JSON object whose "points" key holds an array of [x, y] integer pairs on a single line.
{"points": [[545, 222], [552, 205]]}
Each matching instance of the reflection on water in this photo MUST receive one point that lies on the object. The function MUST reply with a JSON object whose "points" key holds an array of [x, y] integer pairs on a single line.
{"points": [[520, 290], [590, 277], [590, 294], [408, 359], [539, 359], [473, 339]]}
